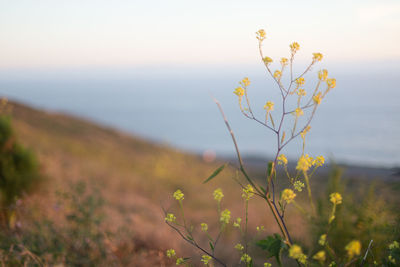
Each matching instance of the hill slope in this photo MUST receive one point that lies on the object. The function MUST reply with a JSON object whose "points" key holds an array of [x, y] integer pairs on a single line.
{"points": [[135, 177]]}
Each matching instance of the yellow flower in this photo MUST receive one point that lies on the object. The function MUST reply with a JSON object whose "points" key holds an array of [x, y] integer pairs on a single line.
{"points": [[305, 131], [323, 75], [237, 222], [284, 61], [218, 195], [394, 245], [322, 240], [269, 106], [298, 186], [171, 253], [318, 161], [304, 163], [353, 248], [245, 82], [267, 60], [277, 74], [178, 195], [288, 195], [170, 218], [248, 192], [294, 47], [317, 56], [300, 81], [239, 91], [336, 198], [180, 261], [295, 252], [299, 112], [301, 92], [261, 35], [225, 216], [317, 98], [267, 264], [331, 82], [204, 227], [320, 256], [391, 259], [245, 258], [205, 259], [282, 160], [239, 247]]}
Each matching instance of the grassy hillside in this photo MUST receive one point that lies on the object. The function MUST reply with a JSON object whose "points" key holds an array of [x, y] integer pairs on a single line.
{"points": [[136, 179]]}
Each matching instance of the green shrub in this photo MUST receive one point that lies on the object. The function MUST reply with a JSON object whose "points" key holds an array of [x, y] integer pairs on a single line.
{"points": [[19, 169]]}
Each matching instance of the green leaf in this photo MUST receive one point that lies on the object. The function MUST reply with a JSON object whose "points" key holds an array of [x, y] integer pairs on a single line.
{"points": [[273, 244], [215, 173], [211, 246], [270, 168]]}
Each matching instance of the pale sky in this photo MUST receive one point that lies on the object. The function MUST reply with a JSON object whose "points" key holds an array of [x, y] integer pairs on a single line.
{"points": [[76, 33]]}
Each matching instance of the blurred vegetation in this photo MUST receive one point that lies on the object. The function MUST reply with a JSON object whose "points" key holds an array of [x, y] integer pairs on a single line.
{"points": [[100, 205], [78, 242], [19, 170], [364, 216]]}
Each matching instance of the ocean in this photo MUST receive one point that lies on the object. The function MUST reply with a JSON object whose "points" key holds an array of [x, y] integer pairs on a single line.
{"points": [[357, 123]]}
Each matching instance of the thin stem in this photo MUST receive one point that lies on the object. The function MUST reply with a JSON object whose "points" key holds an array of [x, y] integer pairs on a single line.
{"points": [[366, 253], [271, 205], [192, 241], [246, 222]]}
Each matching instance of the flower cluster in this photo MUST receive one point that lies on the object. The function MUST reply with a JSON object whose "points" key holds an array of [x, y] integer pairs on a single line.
{"points": [[245, 258], [171, 253], [269, 106], [178, 195], [205, 259], [261, 35], [298, 186], [267, 60], [336, 198], [353, 248], [170, 218], [300, 81], [304, 163], [282, 160], [288, 195], [320, 256], [218, 195], [239, 247], [317, 56], [294, 47], [248, 192], [225, 216], [237, 222], [295, 252]]}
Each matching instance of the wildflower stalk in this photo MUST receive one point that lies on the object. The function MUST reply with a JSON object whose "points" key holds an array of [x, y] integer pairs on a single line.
{"points": [[189, 238], [245, 226], [271, 204]]}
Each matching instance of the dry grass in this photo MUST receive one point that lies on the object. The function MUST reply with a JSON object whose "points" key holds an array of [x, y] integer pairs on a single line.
{"points": [[136, 178]]}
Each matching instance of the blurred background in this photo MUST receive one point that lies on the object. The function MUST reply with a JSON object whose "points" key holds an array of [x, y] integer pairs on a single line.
{"points": [[150, 68]]}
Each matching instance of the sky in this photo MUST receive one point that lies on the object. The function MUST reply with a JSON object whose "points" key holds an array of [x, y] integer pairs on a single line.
{"points": [[46, 34]]}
